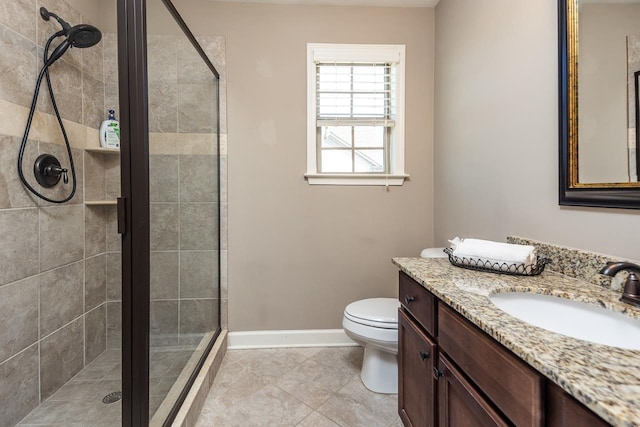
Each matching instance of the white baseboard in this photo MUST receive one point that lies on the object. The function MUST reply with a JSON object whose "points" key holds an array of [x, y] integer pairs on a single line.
{"points": [[293, 338]]}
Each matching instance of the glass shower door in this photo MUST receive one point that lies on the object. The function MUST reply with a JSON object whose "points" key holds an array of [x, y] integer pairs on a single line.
{"points": [[169, 211], [184, 207]]}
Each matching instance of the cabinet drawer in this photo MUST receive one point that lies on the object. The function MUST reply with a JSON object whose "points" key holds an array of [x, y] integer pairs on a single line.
{"points": [[514, 387], [419, 302]]}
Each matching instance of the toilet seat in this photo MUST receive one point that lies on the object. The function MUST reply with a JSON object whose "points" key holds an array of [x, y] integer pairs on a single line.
{"points": [[374, 312]]}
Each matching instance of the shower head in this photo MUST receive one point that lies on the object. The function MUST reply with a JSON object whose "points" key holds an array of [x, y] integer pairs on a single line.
{"points": [[80, 36], [83, 35]]}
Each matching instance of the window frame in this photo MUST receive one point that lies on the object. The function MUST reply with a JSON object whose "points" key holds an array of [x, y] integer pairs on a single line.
{"points": [[356, 53]]}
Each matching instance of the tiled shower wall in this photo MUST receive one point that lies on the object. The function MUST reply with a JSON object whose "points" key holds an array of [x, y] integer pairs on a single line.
{"points": [[53, 258], [183, 192], [60, 272]]}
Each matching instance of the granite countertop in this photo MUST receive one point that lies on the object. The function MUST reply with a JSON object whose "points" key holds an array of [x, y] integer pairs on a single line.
{"points": [[605, 379]]}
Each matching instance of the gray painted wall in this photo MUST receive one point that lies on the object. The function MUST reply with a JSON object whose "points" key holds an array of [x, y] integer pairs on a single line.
{"points": [[298, 254], [496, 131]]}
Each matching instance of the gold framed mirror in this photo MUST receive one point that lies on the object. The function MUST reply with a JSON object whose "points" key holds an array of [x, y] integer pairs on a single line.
{"points": [[598, 103]]}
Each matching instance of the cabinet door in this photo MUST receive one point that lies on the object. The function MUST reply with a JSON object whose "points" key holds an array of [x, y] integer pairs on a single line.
{"points": [[460, 404], [564, 411], [417, 386]]}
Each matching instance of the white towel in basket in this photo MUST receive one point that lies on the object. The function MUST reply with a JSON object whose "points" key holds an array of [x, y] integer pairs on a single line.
{"points": [[496, 252]]}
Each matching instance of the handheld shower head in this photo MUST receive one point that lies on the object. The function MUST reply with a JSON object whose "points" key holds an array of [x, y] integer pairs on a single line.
{"points": [[83, 35], [80, 36]]}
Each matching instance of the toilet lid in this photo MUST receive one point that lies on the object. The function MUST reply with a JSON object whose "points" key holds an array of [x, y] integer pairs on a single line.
{"points": [[381, 312]]}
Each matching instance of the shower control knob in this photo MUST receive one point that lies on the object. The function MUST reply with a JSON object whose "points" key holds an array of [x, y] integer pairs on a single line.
{"points": [[48, 171]]}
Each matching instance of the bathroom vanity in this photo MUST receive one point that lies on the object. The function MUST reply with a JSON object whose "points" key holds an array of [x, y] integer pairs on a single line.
{"points": [[463, 361]]}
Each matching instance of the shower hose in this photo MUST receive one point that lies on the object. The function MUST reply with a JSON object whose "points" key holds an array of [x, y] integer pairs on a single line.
{"points": [[44, 72]]}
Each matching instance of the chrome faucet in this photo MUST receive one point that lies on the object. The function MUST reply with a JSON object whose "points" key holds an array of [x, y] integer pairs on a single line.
{"points": [[631, 292]]}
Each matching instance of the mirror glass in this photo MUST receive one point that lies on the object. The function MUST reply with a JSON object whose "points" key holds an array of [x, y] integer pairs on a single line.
{"points": [[608, 60]]}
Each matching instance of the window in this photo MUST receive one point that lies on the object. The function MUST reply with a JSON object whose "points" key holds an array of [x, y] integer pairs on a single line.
{"points": [[355, 106]]}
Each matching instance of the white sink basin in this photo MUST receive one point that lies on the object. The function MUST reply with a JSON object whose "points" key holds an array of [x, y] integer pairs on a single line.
{"points": [[572, 318]]}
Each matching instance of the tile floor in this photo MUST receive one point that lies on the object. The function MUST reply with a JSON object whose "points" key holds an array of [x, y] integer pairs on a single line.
{"points": [[79, 403], [311, 387]]}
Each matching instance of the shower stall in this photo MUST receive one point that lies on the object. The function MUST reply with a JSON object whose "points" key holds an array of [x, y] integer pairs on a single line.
{"points": [[110, 295]]}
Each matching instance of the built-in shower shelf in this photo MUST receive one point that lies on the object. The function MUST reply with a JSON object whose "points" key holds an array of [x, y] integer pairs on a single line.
{"points": [[100, 203], [103, 150]]}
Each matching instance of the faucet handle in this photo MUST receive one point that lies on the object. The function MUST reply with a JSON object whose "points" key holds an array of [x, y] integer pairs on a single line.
{"points": [[631, 293]]}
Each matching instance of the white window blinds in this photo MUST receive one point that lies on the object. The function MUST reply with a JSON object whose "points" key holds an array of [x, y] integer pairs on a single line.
{"points": [[355, 94]]}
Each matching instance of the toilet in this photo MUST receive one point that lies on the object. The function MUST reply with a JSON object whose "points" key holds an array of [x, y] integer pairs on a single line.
{"points": [[373, 323]]}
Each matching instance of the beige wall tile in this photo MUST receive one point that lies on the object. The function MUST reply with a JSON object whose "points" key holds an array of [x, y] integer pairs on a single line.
{"points": [[112, 187], [92, 61], [66, 79], [17, 67], [92, 101], [19, 249], [198, 316], [163, 178], [191, 67], [19, 386], [20, 16], [61, 235], [61, 357], [182, 143], [162, 59], [198, 274], [110, 52], [163, 111], [114, 325], [198, 178], [44, 128], [111, 98], [95, 224], [164, 275], [95, 331], [18, 316], [164, 226], [196, 109], [163, 320], [13, 194], [61, 297], [224, 226], [114, 276], [198, 226], [95, 282], [223, 178], [114, 240]]}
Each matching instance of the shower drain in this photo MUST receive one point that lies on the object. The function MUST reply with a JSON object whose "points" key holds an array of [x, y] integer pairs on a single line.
{"points": [[112, 397]]}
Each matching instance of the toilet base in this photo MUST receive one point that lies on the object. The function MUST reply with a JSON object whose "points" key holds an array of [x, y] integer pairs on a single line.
{"points": [[379, 371]]}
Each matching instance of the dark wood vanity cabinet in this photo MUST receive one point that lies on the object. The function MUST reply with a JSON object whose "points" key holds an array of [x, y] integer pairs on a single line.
{"points": [[453, 374], [460, 404], [564, 411], [416, 383]]}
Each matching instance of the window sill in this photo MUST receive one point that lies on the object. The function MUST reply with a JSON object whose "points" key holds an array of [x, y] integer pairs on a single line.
{"points": [[355, 179]]}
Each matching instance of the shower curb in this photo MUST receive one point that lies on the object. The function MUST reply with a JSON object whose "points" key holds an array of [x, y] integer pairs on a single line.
{"points": [[193, 403]]}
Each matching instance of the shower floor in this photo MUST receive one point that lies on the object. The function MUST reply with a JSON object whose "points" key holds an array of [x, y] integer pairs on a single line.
{"points": [[79, 401]]}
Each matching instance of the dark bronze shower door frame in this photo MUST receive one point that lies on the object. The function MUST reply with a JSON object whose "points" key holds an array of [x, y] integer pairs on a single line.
{"points": [[133, 210]]}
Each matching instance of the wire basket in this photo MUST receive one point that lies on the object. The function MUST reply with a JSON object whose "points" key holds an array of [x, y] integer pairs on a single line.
{"points": [[496, 267]]}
